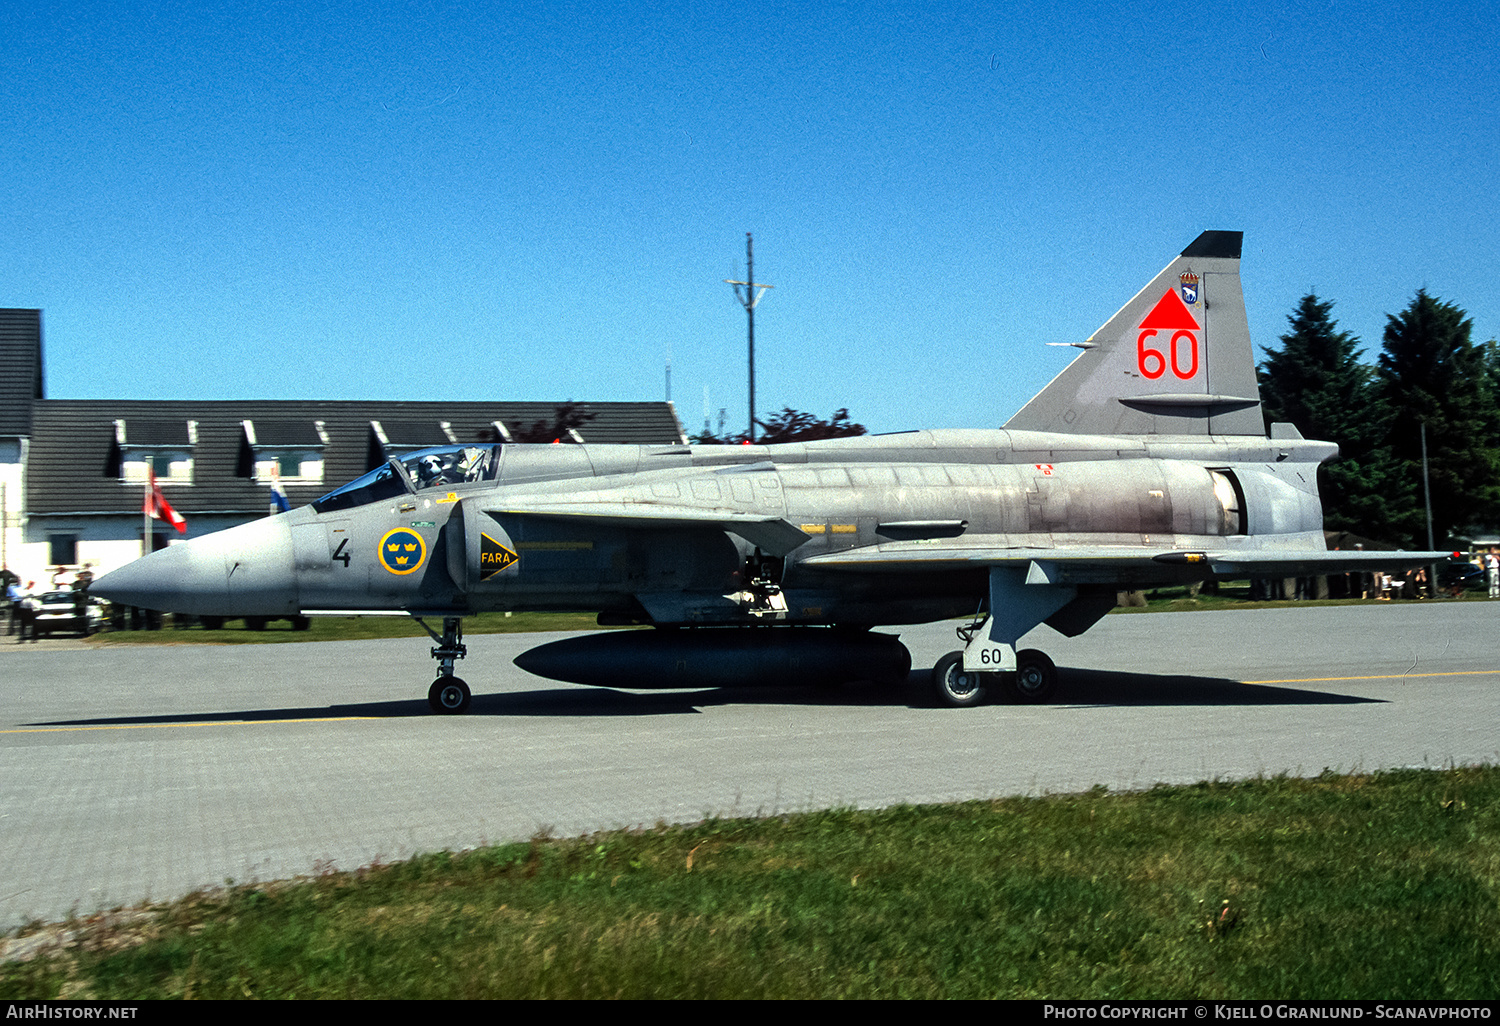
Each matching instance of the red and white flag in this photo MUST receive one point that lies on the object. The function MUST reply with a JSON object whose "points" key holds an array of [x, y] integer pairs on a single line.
{"points": [[157, 507]]}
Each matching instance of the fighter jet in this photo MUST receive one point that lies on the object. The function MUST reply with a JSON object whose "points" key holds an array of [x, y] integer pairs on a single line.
{"points": [[1146, 462]]}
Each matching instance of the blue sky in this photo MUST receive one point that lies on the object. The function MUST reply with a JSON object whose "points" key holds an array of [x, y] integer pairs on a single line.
{"points": [[541, 201]]}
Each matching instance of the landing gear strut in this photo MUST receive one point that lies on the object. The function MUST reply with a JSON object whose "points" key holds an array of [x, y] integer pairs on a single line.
{"points": [[1033, 680], [761, 596], [448, 694]]}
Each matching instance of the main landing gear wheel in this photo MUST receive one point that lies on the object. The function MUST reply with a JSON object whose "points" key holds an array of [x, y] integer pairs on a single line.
{"points": [[448, 695], [952, 685], [1035, 679]]}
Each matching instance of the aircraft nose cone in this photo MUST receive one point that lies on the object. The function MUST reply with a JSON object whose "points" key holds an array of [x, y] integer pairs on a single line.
{"points": [[177, 579], [245, 571]]}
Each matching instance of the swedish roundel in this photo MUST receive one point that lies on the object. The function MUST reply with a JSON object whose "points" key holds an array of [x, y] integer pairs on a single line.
{"points": [[402, 550]]}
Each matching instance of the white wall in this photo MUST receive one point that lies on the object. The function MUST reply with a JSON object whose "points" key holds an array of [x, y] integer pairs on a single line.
{"points": [[13, 483], [104, 543]]}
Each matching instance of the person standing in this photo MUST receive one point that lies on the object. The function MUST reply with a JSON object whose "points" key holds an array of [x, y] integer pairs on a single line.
{"points": [[15, 595], [1492, 571], [27, 611]]}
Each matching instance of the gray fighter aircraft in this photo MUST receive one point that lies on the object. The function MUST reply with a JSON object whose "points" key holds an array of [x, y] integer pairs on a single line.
{"points": [[1145, 462]]}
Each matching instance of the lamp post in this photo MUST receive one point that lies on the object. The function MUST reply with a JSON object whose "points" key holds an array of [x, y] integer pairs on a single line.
{"points": [[745, 292]]}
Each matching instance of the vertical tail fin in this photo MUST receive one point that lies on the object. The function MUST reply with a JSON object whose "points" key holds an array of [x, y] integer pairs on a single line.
{"points": [[1175, 360]]}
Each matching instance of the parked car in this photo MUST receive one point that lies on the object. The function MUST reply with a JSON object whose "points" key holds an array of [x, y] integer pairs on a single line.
{"points": [[66, 612], [1459, 576]]}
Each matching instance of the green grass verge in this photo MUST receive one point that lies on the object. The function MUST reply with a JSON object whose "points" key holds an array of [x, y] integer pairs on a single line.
{"points": [[1237, 596], [344, 628], [1367, 886]]}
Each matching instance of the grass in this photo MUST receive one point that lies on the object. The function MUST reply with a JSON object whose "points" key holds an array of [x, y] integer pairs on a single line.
{"points": [[342, 628], [1237, 596], [1384, 885]]}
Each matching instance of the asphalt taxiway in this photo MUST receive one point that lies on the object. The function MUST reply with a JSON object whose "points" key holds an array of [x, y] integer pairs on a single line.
{"points": [[136, 773]]}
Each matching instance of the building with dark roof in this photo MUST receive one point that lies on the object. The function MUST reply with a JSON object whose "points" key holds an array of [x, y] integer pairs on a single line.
{"points": [[20, 390], [20, 371], [75, 472]]}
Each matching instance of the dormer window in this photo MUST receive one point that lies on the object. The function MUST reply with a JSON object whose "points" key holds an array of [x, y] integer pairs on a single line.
{"points": [[163, 446], [397, 437], [289, 449]]}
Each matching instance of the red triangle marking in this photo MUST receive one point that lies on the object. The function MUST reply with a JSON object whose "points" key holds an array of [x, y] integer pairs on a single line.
{"points": [[1170, 314]]}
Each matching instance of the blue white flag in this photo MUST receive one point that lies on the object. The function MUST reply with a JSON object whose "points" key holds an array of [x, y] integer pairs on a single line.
{"points": [[279, 503]]}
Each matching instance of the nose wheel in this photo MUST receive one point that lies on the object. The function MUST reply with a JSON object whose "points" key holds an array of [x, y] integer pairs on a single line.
{"points": [[448, 695]]}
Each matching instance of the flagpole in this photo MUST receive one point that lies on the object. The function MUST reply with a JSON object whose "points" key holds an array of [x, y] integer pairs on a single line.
{"points": [[146, 513]]}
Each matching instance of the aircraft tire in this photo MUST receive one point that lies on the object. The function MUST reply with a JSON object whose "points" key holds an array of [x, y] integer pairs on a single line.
{"points": [[898, 672], [1035, 679], [448, 695], [955, 687]]}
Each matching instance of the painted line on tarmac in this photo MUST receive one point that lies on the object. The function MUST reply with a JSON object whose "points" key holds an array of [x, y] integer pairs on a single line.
{"points": [[1387, 676], [205, 723]]}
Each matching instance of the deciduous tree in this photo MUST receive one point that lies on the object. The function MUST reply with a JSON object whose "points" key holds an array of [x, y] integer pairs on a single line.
{"points": [[565, 420], [790, 426]]}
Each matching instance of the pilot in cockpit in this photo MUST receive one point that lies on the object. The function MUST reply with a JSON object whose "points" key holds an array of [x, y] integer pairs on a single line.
{"points": [[429, 471]]}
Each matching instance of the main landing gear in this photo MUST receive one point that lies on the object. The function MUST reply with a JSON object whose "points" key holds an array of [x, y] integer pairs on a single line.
{"points": [[1033, 680], [448, 694]]}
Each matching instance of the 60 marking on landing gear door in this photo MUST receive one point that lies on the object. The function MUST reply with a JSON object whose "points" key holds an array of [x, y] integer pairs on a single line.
{"points": [[402, 550]]}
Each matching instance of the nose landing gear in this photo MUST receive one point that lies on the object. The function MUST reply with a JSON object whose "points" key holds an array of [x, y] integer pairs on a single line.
{"points": [[448, 694]]}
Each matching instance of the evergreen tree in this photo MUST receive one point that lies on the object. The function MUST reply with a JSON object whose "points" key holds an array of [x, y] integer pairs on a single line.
{"points": [[1432, 374], [1317, 382]]}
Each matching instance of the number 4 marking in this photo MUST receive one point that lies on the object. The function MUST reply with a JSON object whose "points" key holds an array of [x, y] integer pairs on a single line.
{"points": [[339, 553]]}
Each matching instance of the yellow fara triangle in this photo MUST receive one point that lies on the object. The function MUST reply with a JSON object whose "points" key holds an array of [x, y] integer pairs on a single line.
{"points": [[493, 557]]}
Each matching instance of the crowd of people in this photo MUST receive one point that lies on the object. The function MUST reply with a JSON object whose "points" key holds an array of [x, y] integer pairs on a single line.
{"points": [[23, 603], [1382, 586]]}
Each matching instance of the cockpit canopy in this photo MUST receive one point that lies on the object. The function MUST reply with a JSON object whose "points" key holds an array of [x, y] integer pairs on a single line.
{"points": [[443, 466]]}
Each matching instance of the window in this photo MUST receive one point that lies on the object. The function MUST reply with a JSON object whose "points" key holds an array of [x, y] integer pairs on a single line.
{"points": [[289, 449], [294, 466], [440, 467], [176, 467], [164, 447], [62, 549]]}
